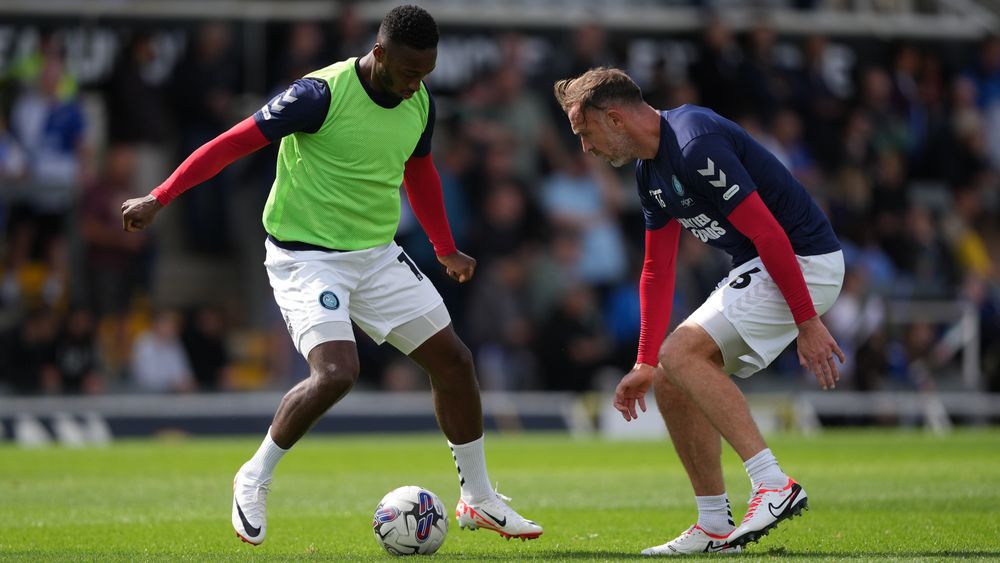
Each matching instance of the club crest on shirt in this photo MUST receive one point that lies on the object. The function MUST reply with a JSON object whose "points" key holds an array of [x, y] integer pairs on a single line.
{"points": [[328, 300], [678, 186]]}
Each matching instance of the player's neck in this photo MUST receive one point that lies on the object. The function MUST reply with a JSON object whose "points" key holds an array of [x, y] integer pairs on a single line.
{"points": [[648, 131], [366, 70]]}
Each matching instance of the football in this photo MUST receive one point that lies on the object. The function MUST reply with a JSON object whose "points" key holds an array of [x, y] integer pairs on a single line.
{"points": [[410, 521]]}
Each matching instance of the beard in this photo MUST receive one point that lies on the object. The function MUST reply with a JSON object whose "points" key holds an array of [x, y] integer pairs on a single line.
{"points": [[623, 150], [619, 161]]}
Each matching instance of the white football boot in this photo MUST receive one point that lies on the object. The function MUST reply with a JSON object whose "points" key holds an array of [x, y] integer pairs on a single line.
{"points": [[694, 540], [494, 514], [768, 507], [249, 508]]}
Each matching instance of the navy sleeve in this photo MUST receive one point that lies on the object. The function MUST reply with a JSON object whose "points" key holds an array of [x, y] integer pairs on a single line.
{"points": [[424, 144], [651, 198], [714, 169], [302, 107]]}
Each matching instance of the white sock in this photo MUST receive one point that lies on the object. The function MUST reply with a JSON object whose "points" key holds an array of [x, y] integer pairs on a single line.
{"points": [[261, 465], [763, 470], [470, 460], [714, 514]]}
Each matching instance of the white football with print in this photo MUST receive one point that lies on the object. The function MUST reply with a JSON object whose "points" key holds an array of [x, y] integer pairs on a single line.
{"points": [[410, 520]]}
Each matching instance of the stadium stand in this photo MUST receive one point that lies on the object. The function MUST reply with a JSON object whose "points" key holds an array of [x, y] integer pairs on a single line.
{"points": [[886, 110]]}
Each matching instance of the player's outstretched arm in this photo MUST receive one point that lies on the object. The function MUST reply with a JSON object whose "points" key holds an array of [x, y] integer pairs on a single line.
{"points": [[242, 139]]}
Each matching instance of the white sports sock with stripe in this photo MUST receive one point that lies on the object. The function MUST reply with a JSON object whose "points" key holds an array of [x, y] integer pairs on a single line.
{"points": [[470, 460], [714, 514]]}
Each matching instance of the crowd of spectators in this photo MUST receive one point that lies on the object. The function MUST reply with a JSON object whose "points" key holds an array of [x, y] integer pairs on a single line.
{"points": [[902, 152]]}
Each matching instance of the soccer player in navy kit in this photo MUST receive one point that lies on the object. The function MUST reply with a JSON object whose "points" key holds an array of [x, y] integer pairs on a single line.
{"points": [[699, 171]]}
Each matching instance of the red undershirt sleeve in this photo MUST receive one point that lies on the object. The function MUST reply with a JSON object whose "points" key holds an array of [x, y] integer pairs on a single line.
{"points": [[752, 218], [244, 138], [656, 290], [423, 189]]}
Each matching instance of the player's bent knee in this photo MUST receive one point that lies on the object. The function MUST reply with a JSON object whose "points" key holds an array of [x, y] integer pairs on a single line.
{"points": [[333, 369], [672, 355], [462, 357], [683, 347], [334, 380], [458, 367]]}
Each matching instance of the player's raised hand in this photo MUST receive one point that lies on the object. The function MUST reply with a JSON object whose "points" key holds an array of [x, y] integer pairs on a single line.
{"points": [[459, 266], [138, 212], [632, 389], [816, 350]]}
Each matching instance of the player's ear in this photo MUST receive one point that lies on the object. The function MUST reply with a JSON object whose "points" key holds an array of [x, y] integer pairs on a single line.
{"points": [[614, 117], [379, 51]]}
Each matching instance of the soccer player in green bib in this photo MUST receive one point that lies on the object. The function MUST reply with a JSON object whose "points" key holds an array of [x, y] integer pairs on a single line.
{"points": [[351, 134]]}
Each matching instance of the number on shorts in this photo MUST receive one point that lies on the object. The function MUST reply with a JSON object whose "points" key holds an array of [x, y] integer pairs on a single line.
{"points": [[403, 258], [744, 279]]}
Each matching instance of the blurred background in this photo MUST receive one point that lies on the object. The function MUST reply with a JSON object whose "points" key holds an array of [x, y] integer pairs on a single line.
{"points": [[888, 111]]}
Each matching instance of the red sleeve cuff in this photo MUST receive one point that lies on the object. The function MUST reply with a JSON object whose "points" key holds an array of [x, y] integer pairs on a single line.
{"points": [[159, 192]]}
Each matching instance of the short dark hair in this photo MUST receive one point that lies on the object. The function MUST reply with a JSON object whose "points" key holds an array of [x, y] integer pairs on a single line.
{"points": [[597, 88], [411, 26]]}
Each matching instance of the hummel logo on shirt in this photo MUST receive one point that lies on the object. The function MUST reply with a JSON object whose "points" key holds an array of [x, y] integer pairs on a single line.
{"points": [[709, 172], [277, 105], [286, 98]]}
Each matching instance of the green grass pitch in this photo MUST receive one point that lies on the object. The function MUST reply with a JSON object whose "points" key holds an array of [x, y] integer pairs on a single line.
{"points": [[873, 495]]}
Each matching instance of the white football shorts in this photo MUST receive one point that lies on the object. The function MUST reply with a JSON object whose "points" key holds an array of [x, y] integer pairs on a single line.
{"points": [[750, 320], [381, 289]]}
